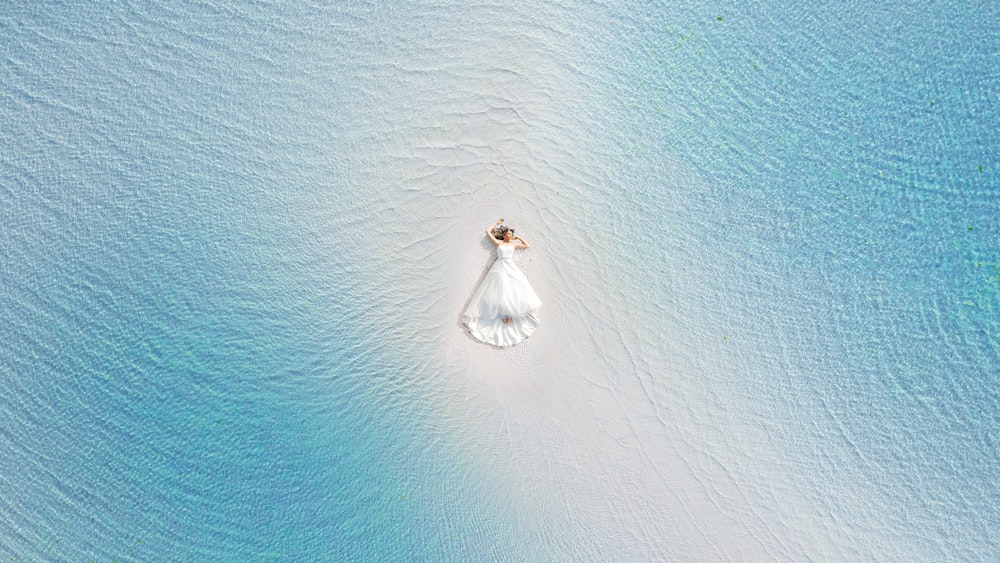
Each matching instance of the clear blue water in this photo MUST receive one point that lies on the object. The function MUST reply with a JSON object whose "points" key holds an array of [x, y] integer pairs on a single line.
{"points": [[194, 356], [851, 163]]}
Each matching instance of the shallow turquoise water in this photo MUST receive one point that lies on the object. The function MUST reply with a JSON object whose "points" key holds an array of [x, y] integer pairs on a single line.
{"points": [[851, 227], [196, 357]]}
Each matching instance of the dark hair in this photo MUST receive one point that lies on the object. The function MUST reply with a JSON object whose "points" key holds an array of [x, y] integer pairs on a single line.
{"points": [[500, 230]]}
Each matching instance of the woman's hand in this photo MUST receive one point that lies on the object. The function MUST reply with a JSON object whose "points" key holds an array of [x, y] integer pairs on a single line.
{"points": [[500, 220]]}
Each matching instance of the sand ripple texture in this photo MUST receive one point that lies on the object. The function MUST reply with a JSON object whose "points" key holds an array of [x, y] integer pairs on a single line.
{"points": [[238, 238]]}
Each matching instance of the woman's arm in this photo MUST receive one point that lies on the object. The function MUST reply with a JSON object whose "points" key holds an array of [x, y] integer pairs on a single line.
{"points": [[489, 231], [522, 243]]}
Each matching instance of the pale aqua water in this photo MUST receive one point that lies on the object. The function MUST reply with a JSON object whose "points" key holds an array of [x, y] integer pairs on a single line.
{"points": [[195, 356]]}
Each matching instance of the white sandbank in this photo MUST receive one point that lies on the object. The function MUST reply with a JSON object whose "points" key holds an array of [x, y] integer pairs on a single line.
{"points": [[568, 417], [611, 433]]}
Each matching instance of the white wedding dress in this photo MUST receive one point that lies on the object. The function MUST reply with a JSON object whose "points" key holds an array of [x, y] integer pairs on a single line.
{"points": [[504, 293]]}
